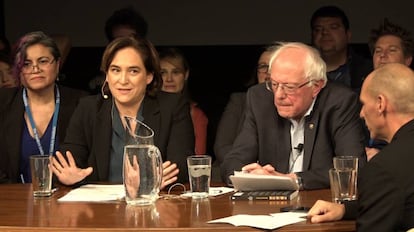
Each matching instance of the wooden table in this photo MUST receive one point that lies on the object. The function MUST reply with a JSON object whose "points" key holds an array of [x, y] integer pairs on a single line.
{"points": [[19, 211]]}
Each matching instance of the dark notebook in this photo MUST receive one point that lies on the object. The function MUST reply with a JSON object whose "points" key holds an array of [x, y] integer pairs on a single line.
{"points": [[269, 195]]}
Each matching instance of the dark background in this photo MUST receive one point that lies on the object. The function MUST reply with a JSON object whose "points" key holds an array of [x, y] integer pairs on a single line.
{"points": [[200, 23], [222, 39]]}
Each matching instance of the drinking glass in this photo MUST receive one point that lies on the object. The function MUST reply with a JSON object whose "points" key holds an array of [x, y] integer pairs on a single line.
{"points": [[41, 175], [199, 174], [343, 184]]}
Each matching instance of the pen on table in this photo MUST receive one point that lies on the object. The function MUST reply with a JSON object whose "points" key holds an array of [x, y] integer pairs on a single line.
{"points": [[217, 191]]}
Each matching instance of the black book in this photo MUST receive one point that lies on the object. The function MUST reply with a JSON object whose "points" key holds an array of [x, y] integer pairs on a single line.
{"points": [[270, 195]]}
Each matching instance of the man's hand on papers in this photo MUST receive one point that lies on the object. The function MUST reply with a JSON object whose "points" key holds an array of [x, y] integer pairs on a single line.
{"points": [[256, 168], [268, 169]]}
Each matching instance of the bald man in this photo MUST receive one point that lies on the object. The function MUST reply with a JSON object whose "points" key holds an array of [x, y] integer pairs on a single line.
{"points": [[386, 183]]}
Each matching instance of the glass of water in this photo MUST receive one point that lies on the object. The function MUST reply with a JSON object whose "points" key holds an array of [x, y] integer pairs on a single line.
{"points": [[41, 175], [199, 174]]}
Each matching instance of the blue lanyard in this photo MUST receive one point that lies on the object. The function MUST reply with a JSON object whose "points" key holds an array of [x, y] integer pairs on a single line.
{"points": [[32, 123]]}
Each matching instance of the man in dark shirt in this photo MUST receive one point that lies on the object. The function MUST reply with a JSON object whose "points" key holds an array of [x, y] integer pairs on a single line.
{"points": [[386, 184], [331, 35]]}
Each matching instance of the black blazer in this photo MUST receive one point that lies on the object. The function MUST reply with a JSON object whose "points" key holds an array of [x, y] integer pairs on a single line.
{"points": [[12, 123], [386, 187], [230, 124], [333, 128], [90, 130], [359, 68]]}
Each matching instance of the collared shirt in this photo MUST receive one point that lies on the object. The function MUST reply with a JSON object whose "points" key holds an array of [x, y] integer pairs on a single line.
{"points": [[117, 145], [297, 138]]}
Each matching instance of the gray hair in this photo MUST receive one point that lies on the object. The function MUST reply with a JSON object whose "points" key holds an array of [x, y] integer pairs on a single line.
{"points": [[315, 67]]}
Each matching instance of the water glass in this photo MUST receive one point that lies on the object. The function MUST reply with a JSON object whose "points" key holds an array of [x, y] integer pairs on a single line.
{"points": [[199, 174], [41, 175], [345, 162], [343, 184]]}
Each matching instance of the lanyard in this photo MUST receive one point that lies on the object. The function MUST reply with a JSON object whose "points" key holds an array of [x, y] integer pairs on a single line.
{"points": [[54, 122]]}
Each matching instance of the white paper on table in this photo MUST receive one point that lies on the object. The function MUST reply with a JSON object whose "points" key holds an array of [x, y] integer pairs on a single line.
{"points": [[95, 193], [268, 222]]}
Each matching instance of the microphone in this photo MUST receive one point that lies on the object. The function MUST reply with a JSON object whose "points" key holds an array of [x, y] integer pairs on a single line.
{"points": [[105, 96], [299, 147], [293, 159]]}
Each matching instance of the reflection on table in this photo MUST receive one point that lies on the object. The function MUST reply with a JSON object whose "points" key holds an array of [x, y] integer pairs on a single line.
{"points": [[20, 211]]}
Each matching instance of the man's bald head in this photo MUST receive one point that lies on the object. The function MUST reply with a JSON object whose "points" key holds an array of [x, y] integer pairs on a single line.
{"points": [[394, 81]]}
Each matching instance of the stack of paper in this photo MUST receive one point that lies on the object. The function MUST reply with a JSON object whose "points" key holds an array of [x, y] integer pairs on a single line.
{"points": [[252, 182]]}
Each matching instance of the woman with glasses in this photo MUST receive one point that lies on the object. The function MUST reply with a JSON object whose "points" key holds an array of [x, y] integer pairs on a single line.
{"points": [[94, 145], [34, 116], [232, 117]]}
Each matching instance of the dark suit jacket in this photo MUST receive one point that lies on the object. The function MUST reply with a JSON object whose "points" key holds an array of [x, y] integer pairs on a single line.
{"points": [[90, 131], [230, 125], [12, 123], [359, 68], [386, 187], [332, 128]]}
